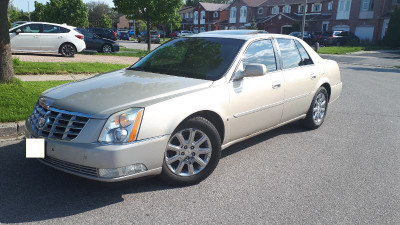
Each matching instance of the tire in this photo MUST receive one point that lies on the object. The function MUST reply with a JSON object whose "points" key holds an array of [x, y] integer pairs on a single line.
{"points": [[190, 163], [317, 112], [67, 50], [107, 48], [138, 40], [338, 43]]}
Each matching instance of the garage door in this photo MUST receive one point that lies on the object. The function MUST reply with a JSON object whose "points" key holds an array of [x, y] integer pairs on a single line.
{"points": [[365, 33]]}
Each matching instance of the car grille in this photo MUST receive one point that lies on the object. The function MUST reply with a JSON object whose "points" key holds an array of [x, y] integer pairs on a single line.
{"points": [[56, 124], [84, 170]]}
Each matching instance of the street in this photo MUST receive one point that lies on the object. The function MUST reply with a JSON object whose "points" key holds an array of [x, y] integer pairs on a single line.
{"points": [[345, 172]]}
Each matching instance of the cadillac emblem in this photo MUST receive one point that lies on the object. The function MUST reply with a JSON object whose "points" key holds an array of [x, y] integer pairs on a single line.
{"points": [[42, 122]]}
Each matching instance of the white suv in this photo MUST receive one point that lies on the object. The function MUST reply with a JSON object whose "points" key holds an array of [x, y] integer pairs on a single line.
{"points": [[46, 37]]}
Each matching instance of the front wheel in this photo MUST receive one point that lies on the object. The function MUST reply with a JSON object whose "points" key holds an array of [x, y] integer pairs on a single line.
{"points": [[192, 153], [317, 111], [67, 49], [106, 48]]}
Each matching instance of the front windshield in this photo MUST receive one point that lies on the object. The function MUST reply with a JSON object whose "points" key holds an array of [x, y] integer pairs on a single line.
{"points": [[200, 58]]}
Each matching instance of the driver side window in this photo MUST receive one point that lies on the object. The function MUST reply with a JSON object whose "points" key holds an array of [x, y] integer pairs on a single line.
{"points": [[260, 52], [31, 28]]}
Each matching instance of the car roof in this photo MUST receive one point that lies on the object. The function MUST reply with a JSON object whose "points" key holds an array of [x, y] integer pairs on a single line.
{"points": [[234, 34], [56, 24]]}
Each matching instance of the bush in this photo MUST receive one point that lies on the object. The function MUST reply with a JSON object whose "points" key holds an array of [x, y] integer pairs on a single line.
{"points": [[392, 36], [16, 62]]}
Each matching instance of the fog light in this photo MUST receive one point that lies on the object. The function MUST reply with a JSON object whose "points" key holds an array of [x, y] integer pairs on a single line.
{"points": [[122, 171]]}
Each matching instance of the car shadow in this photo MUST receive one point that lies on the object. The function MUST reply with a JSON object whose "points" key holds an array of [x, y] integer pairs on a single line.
{"points": [[375, 69], [38, 54], [31, 192]]}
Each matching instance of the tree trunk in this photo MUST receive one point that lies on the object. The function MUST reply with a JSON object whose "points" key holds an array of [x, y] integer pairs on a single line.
{"points": [[148, 25], [6, 67]]}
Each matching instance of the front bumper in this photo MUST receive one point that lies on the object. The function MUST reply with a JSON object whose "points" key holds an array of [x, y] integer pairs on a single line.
{"points": [[85, 159]]}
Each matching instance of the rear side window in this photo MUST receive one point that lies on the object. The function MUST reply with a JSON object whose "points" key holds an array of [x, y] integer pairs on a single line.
{"points": [[289, 53], [261, 52], [306, 59], [54, 29]]}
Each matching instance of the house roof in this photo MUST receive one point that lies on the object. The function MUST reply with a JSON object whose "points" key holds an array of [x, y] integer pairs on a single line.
{"points": [[254, 3], [288, 2], [213, 7], [187, 9]]}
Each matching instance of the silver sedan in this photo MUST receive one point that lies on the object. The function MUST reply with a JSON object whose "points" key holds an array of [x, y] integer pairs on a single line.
{"points": [[172, 112]]}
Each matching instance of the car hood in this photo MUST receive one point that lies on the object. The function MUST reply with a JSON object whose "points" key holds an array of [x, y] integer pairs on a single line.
{"points": [[105, 94]]}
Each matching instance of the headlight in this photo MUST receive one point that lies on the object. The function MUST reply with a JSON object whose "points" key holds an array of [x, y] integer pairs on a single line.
{"points": [[122, 127]]}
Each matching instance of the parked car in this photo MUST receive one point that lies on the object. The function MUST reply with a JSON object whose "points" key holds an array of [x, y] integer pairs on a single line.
{"points": [[46, 37], [154, 37], [307, 36], [94, 42], [17, 23], [339, 38], [123, 35], [172, 112], [173, 34], [131, 33], [104, 33], [184, 33], [316, 36]]}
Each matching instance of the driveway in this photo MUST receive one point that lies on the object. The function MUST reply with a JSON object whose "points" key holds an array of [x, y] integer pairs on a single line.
{"points": [[78, 58]]}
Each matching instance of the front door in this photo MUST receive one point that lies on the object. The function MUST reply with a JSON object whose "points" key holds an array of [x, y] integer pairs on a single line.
{"points": [[256, 103], [27, 40]]}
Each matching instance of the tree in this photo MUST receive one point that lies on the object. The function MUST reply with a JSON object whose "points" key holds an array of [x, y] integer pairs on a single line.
{"points": [[195, 2], [6, 67], [71, 12], [392, 35], [97, 10], [105, 21], [151, 12]]}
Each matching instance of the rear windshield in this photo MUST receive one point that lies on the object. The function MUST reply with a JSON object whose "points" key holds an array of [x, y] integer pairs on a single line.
{"points": [[200, 58]]}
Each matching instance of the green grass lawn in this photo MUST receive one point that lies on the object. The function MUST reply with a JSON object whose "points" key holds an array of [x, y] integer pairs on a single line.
{"points": [[349, 49], [18, 98], [27, 68], [123, 52]]}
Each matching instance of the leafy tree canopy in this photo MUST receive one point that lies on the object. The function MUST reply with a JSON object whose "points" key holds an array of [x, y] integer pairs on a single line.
{"points": [[71, 12], [99, 12]]}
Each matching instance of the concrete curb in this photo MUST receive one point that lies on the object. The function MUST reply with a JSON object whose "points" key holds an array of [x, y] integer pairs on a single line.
{"points": [[14, 129]]}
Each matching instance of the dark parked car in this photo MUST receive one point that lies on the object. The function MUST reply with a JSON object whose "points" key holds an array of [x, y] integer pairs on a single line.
{"points": [[173, 34], [339, 38], [94, 42], [103, 33], [154, 36], [307, 36]]}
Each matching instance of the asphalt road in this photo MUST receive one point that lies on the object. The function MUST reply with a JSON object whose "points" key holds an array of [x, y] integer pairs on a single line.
{"points": [[136, 45], [346, 172]]}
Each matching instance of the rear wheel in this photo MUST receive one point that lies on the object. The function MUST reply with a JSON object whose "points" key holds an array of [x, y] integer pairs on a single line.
{"points": [[317, 111], [192, 153], [67, 49]]}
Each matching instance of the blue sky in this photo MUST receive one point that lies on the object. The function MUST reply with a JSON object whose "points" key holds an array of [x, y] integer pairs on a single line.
{"points": [[23, 4]]}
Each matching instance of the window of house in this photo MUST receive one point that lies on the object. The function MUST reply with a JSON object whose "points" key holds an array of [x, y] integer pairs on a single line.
{"points": [[215, 14], [367, 5], [289, 50], [330, 5], [275, 10], [260, 52], [233, 12], [196, 16], [344, 5], [243, 12], [260, 10], [316, 7], [287, 9], [301, 8], [203, 15], [186, 15]]}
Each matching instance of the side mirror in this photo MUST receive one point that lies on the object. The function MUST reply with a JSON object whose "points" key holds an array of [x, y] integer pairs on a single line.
{"points": [[252, 70], [18, 31]]}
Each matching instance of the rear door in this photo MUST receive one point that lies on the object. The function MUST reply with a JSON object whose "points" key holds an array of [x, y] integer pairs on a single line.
{"points": [[300, 76], [52, 37]]}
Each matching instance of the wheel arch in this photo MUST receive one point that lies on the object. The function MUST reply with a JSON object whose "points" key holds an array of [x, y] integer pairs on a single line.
{"points": [[211, 116], [328, 89], [67, 42]]}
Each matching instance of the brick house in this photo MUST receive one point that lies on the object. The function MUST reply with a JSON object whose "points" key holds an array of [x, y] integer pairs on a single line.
{"points": [[242, 13], [368, 19], [209, 16], [186, 14]]}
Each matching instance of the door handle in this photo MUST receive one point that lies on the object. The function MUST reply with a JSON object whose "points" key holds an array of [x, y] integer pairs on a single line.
{"points": [[276, 85], [313, 76]]}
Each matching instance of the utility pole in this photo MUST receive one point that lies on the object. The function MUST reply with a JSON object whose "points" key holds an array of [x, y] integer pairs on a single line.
{"points": [[29, 13], [304, 20]]}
